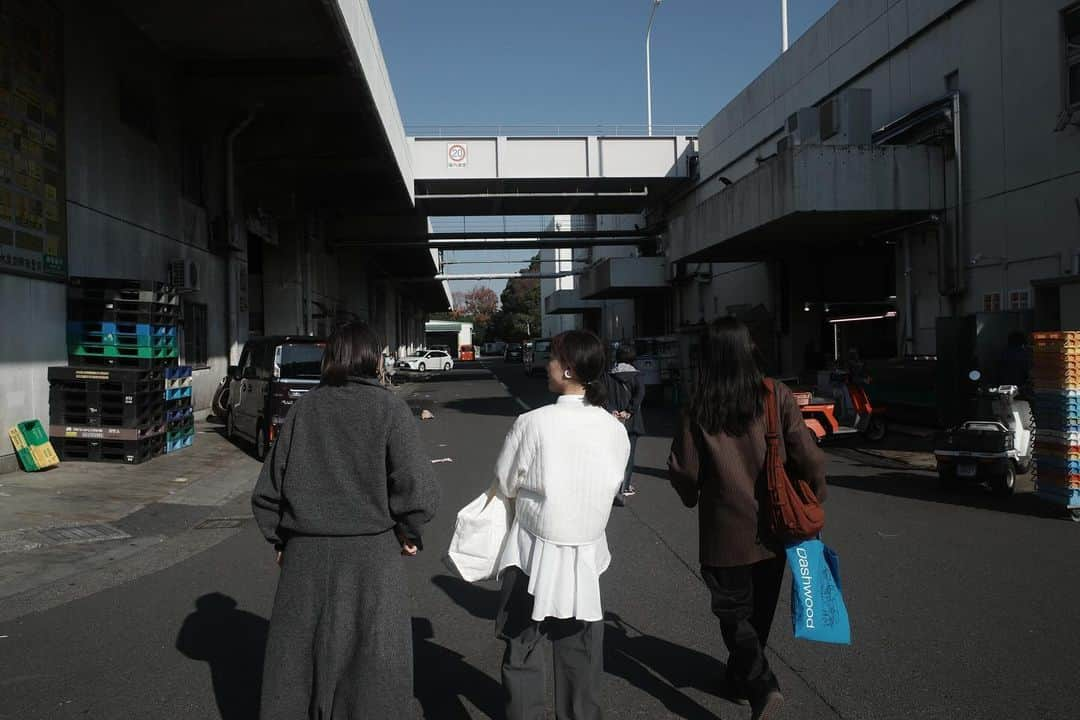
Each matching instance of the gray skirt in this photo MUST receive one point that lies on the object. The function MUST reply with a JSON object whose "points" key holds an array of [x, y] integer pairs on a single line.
{"points": [[340, 642]]}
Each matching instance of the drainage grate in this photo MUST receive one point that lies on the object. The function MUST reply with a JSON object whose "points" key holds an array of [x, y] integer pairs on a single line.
{"points": [[82, 534], [221, 523]]}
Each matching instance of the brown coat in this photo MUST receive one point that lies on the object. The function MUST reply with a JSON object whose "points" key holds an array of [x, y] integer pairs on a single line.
{"points": [[723, 475]]}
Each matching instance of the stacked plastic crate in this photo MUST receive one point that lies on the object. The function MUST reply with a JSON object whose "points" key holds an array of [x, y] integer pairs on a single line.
{"points": [[179, 411], [110, 403], [1056, 377]]}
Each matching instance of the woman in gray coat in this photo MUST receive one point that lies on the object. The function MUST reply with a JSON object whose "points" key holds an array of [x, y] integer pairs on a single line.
{"points": [[342, 496]]}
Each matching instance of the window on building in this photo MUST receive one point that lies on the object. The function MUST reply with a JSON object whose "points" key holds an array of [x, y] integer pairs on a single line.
{"points": [[194, 334], [1071, 27], [992, 302], [1019, 300]]}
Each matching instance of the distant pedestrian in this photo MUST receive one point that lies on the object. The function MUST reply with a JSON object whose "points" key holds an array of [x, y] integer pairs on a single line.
{"points": [[342, 496], [625, 393], [561, 466], [717, 462]]}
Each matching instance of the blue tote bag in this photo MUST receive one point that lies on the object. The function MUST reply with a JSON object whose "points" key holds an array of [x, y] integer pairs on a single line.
{"points": [[818, 612]]}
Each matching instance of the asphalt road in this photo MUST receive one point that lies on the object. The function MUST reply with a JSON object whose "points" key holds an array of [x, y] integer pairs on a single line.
{"points": [[963, 606]]}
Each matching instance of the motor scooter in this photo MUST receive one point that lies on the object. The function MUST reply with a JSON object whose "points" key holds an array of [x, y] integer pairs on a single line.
{"points": [[854, 406], [994, 446]]}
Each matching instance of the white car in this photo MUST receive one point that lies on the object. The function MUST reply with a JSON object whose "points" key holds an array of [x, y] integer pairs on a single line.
{"points": [[425, 360]]}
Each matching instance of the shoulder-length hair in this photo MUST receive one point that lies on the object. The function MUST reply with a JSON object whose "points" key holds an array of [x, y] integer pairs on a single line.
{"points": [[730, 392], [583, 354], [353, 350]]}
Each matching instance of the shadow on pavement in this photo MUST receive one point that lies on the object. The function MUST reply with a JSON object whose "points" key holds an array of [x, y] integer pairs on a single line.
{"points": [[651, 472], [478, 601], [233, 643], [661, 668], [442, 678], [485, 406], [926, 487], [471, 375]]}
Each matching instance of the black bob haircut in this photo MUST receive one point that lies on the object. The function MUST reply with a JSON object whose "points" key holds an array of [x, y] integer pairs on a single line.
{"points": [[353, 350], [582, 353]]}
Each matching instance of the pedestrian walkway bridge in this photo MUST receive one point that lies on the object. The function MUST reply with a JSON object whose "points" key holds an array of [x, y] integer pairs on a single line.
{"points": [[512, 175]]}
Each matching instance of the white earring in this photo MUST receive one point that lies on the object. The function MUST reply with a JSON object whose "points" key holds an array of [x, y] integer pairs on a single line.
{"points": [[566, 374]]}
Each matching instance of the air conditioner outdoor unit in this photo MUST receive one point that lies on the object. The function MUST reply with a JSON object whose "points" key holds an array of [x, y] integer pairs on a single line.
{"points": [[184, 275]]}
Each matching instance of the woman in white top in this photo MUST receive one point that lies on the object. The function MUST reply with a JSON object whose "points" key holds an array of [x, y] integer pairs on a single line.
{"points": [[561, 466]]}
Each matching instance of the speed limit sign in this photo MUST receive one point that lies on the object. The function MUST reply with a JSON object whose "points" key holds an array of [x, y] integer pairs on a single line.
{"points": [[457, 155]]}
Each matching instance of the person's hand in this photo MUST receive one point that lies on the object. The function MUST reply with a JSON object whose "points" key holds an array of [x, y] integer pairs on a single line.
{"points": [[280, 559], [408, 549]]}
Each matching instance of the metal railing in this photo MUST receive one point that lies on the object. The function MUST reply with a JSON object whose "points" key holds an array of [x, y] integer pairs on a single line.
{"points": [[455, 130]]}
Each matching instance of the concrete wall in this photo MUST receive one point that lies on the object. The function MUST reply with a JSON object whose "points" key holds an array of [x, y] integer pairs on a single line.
{"points": [[1022, 179]]}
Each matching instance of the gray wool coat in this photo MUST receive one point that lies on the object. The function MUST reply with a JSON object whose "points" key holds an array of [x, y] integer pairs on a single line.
{"points": [[348, 468], [348, 461]]}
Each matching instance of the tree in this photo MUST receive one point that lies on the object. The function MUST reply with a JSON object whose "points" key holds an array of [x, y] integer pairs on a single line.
{"points": [[519, 316], [480, 304]]}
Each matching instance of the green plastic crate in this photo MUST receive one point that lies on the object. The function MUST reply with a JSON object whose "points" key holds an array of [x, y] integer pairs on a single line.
{"points": [[32, 446]]}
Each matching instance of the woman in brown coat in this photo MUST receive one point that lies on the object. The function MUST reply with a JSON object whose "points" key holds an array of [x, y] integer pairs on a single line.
{"points": [[717, 462]]}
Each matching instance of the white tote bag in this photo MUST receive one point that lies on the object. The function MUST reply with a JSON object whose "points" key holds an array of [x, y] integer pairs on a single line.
{"points": [[479, 535]]}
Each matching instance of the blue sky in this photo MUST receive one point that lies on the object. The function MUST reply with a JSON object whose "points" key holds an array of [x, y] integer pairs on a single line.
{"points": [[545, 62]]}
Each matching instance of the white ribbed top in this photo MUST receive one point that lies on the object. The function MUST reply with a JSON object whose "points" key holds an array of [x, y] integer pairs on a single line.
{"points": [[563, 464]]}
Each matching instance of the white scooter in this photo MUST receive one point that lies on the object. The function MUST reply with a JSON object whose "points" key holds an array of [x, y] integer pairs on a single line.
{"points": [[994, 448]]}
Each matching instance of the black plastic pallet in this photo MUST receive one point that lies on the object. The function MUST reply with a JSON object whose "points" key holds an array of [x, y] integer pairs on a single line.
{"points": [[131, 452], [105, 392], [130, 304], [120, 315], [110, 295], [130, 363], [104, 283], [126, 379], [68, 408]]}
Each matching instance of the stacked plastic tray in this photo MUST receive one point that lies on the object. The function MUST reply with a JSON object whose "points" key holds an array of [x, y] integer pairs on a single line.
{"points": [[1056, 377], [113, 402], [179, 412]]}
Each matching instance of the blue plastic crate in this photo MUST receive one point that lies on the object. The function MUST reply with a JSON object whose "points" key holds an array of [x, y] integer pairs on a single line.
{"points": [[1069, 497], [179, 444], [1059, 463], [178, 373], [78, 327], [177, 393], [179, 413]]}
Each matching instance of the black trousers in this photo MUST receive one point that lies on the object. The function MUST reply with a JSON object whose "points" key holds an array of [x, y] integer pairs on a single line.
{"points": [[629, 464], [577, 654], [744, 600]]}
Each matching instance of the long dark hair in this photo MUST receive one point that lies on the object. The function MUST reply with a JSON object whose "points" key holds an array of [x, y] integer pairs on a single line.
{"points": [[730, 393], [353, 350], [582, 353]]}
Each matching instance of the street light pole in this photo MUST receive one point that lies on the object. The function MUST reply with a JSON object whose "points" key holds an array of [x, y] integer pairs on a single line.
{"points": [[648, 67], [783, 22]]}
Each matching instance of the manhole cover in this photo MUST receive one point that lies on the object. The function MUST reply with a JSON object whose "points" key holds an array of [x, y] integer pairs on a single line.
{"points": [[82, 534], [220, 523]]}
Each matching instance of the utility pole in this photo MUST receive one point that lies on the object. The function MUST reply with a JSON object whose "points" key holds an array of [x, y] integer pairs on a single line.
{"points": [[784, 22], [648, 67]]}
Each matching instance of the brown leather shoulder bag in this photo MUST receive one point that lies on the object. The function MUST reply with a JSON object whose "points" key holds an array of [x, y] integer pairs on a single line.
{"points": [[793, 512]]}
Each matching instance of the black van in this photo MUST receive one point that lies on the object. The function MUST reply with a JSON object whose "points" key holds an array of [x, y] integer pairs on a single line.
{"points": [[273, 372]]}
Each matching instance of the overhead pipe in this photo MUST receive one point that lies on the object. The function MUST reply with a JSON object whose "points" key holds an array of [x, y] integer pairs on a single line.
{"points": [[530, 196], [497, 276], [492, 244]]}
